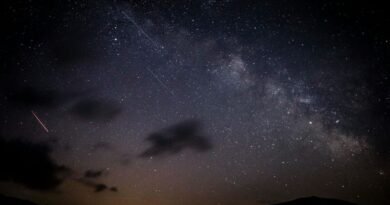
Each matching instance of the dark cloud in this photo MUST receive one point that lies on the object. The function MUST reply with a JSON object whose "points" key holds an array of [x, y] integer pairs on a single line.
{"points": [[93, 173], [93, 109], [315, 201], [176, 138], [125, 159], [89, 180], [6, 200], [34, 97], [73, 47], [114, 189], [98, 187], [101, 146], [30, 165]]}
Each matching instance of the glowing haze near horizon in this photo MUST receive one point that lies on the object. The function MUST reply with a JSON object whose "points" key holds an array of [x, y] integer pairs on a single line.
{"points": [[195, 102]]}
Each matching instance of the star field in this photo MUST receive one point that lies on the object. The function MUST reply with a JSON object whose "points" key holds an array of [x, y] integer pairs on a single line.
{"points": [[194, 102]]}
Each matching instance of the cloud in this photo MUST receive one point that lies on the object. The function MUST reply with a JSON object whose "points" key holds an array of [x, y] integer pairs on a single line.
{"points": [[125, 159], [86, 108], [30, 165], [98, 187], [7, 200], [102, 146], [74, 48], [114, 189], [176, 138], [315, 200], [89, 180], [93, 173], [33, 97], [93, 109]]}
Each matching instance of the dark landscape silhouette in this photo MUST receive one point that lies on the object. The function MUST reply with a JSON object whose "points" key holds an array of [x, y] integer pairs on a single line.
{"points": [[313, 200]]}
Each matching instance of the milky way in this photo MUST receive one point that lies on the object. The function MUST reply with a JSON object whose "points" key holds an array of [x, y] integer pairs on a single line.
{"points": [[195, 102]]}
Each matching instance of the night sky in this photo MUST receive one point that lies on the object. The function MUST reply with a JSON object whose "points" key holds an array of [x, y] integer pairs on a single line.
{"points": [[212, 102]]}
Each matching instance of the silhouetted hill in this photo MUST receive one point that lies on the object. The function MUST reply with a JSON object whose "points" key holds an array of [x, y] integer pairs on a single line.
{"points": [[316, 201], [6, 200]]}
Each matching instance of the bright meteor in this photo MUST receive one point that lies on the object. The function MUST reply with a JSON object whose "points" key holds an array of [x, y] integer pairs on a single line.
{"points": [[40, 122]]}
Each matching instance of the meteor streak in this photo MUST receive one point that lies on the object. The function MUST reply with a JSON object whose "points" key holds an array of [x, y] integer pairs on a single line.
{"points": [[161, 83], [155, 44], [40, 122]]}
